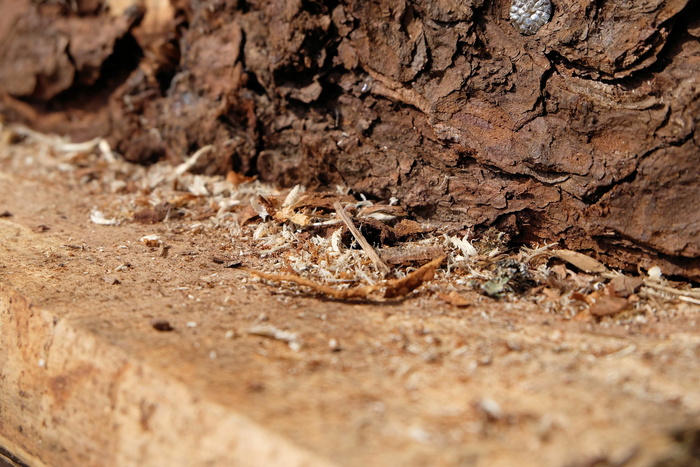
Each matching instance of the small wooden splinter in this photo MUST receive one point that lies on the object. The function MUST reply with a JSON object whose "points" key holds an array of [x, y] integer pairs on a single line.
{"points": [[394, 288], [373, 256]]}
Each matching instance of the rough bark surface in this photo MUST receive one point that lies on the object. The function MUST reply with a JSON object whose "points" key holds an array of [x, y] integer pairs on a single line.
{"points": [[586, 132]]}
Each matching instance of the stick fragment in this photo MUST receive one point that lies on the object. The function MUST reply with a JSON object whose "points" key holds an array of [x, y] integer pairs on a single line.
{"points": [[373, 256], [394, 288]]}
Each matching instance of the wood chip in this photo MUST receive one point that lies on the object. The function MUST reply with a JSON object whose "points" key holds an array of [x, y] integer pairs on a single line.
{"points": [[111, 280], [192, 160], [608, 305], [271, 332], [407, 227], [455, 298], [624, 286], [97, 217], [583, 262], [152, 241], [407, 253], [401, 287]]}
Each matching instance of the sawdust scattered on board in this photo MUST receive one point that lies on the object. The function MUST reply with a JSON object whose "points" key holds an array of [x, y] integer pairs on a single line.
{"points": [[341, 245]]}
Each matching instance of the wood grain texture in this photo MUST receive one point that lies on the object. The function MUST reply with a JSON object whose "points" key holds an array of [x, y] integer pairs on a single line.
{"points": [[72, 398]]}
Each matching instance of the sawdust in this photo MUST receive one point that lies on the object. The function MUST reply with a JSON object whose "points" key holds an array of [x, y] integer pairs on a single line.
{"points": [[305, 234], [469, 348]]}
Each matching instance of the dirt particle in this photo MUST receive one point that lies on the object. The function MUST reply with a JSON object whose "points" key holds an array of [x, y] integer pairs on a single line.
{"points": [[162, 325], [111, 280]]}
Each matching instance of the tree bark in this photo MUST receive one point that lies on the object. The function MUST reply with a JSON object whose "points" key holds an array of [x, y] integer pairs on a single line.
{"points": [[585, 132]]}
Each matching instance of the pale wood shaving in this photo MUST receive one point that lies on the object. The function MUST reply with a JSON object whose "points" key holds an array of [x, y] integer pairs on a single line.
{"points": [[583, 262]]}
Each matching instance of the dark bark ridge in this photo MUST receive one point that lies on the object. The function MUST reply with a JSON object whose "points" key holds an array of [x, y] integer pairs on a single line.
{"points": [[585, 132]]}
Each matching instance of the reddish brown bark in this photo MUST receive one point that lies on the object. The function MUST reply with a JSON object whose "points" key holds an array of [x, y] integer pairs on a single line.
{"points": [[586, 132]]}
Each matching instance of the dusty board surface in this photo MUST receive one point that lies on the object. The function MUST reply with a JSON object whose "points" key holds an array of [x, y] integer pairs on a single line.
{"points": [[86, 379]]}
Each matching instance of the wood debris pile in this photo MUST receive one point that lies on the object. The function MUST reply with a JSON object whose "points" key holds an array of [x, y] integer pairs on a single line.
{"points": [[338, 244]]}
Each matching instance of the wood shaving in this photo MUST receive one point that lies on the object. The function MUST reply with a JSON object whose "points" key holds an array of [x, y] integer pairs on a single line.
{"points": [[271, 332], [191, 161], [298, 230], [151, 241], [583, 262], [97, 217]]}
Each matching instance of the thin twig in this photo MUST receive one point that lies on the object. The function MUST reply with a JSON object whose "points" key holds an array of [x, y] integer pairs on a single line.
{"points": [[682, 292], [671, 296], [683, 298], [378, 263], [394, 288]]}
